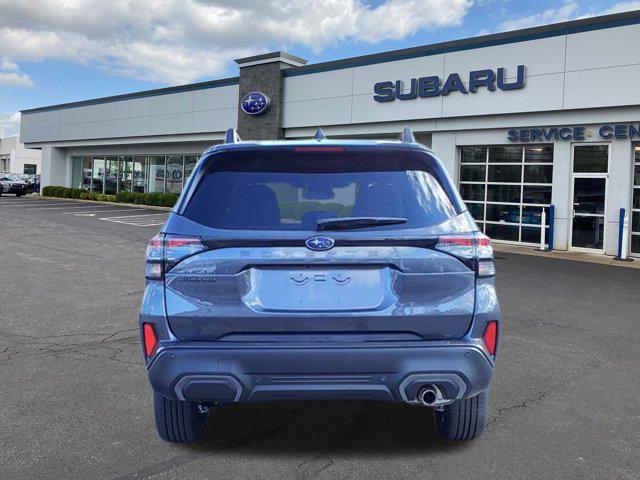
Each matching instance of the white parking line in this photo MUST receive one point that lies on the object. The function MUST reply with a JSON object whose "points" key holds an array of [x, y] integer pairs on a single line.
{"points": [[109, 210], [32, 202], [144, 215], [138, 221], [60, 208]]}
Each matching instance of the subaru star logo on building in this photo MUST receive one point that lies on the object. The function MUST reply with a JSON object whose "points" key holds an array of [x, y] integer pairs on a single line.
{"points": [[320, 243], [255, 103]]}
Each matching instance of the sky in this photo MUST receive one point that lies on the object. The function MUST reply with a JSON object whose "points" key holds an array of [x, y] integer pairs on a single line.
{"points": [[57, 51]]}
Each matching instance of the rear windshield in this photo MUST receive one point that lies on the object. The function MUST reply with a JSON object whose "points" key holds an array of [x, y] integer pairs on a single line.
{"points": [[267, 195]]}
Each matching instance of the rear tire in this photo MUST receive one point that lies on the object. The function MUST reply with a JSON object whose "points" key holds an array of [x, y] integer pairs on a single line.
{"points": [[177, 421], [464, 419]]}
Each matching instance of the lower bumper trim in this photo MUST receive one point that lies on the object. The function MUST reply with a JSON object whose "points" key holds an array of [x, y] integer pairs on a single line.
{"points": [[252, 374]]}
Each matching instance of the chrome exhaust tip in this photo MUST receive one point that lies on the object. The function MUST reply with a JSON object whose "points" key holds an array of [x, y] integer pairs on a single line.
{"points": [[432, 396]]}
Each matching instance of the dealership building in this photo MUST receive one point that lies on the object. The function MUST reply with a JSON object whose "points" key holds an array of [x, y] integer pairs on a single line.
{"points": [[523, 120]]}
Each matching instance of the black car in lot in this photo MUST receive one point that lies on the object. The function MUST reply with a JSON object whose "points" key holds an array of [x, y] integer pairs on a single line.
{"points": [[12, 184]]}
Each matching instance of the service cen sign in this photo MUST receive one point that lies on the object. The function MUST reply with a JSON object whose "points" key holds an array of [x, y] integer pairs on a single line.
{"points": [[548, 134], [425, 87]]}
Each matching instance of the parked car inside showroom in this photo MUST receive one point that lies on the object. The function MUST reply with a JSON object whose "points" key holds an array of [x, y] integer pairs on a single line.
{"points": [[13, 185], [320, 270]]}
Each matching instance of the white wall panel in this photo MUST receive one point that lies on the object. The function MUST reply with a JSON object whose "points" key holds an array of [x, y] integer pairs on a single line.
{"points": [[73, 115], [337, 83], [603, 48], [604, 87], [104, 129], [174, 103], [215, 98], [73, 131], [133, 127], [540, 56], [215, 120], [177, 123], [45, 119], [137, 107], [326, 111], [100, 112]]}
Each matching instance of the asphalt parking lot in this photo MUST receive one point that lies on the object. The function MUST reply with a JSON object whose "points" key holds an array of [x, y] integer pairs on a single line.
{"points": [[75, 403]]}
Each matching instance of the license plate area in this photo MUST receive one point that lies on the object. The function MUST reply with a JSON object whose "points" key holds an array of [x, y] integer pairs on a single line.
{"points": [[319, 289]]}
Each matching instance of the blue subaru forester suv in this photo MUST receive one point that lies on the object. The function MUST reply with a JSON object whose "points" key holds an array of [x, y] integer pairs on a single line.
{"points": [[319, 270]]}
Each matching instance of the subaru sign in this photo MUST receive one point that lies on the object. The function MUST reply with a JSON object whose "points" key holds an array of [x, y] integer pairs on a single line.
{"points": [[255, 103], [425, 87], [320, 243]]}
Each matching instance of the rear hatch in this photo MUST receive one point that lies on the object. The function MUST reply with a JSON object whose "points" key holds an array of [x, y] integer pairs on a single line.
{"points": [[265, 272]]}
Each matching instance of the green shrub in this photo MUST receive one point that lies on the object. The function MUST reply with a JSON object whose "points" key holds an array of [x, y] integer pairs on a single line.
{"points": [[124, 197], [168, 200], [153, 198]]}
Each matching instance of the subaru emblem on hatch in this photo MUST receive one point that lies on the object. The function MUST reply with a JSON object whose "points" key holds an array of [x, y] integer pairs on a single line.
{"points": [[320, 243], [255, 103]]}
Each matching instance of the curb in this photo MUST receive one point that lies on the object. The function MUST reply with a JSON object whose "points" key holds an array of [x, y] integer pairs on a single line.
{"points": [[80, 200], [563, 255]]}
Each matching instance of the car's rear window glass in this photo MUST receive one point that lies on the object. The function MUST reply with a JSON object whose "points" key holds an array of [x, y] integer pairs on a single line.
{"points": [[261, 197]]}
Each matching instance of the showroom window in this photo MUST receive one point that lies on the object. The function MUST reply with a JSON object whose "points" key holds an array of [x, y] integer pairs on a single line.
{"points": [[132, 173], [635, 207], [505, 188]]}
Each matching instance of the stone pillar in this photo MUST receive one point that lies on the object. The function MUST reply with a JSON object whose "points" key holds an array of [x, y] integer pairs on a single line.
{"points": [[263, 73]]}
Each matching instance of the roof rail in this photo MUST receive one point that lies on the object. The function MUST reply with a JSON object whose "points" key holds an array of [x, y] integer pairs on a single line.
{"points": [[232, 136], [407, 136], [319, 136]]}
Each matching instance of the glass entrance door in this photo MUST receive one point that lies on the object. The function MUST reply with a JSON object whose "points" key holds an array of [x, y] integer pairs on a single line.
{"points": [[588, 213], [589, 192]]}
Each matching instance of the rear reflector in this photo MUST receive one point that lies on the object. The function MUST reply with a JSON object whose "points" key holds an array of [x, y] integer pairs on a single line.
{"points": [[149, 338], [490, 337], [486, 268]]}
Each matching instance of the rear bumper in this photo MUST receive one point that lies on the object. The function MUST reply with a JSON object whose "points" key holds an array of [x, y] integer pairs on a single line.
{"points": [[223, 373]]}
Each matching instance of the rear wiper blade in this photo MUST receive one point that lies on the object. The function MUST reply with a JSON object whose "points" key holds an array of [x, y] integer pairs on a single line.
{"points": [[346, 223]]}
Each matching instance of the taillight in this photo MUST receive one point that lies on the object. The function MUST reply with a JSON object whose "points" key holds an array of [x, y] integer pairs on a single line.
{"points": [[473, 249], [490, 337], [164, 251], [149, 339]]}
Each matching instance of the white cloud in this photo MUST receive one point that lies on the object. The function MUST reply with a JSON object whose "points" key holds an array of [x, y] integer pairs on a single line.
{"points": [[9, 123], [11, 76], [6, 64], [176, 41], [571, 10], [13, 79], [621, 7], [551, 15]]}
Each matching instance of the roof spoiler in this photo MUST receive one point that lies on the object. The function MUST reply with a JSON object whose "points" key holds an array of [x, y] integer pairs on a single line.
{"points": [[407, 136], [232, 136]]}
